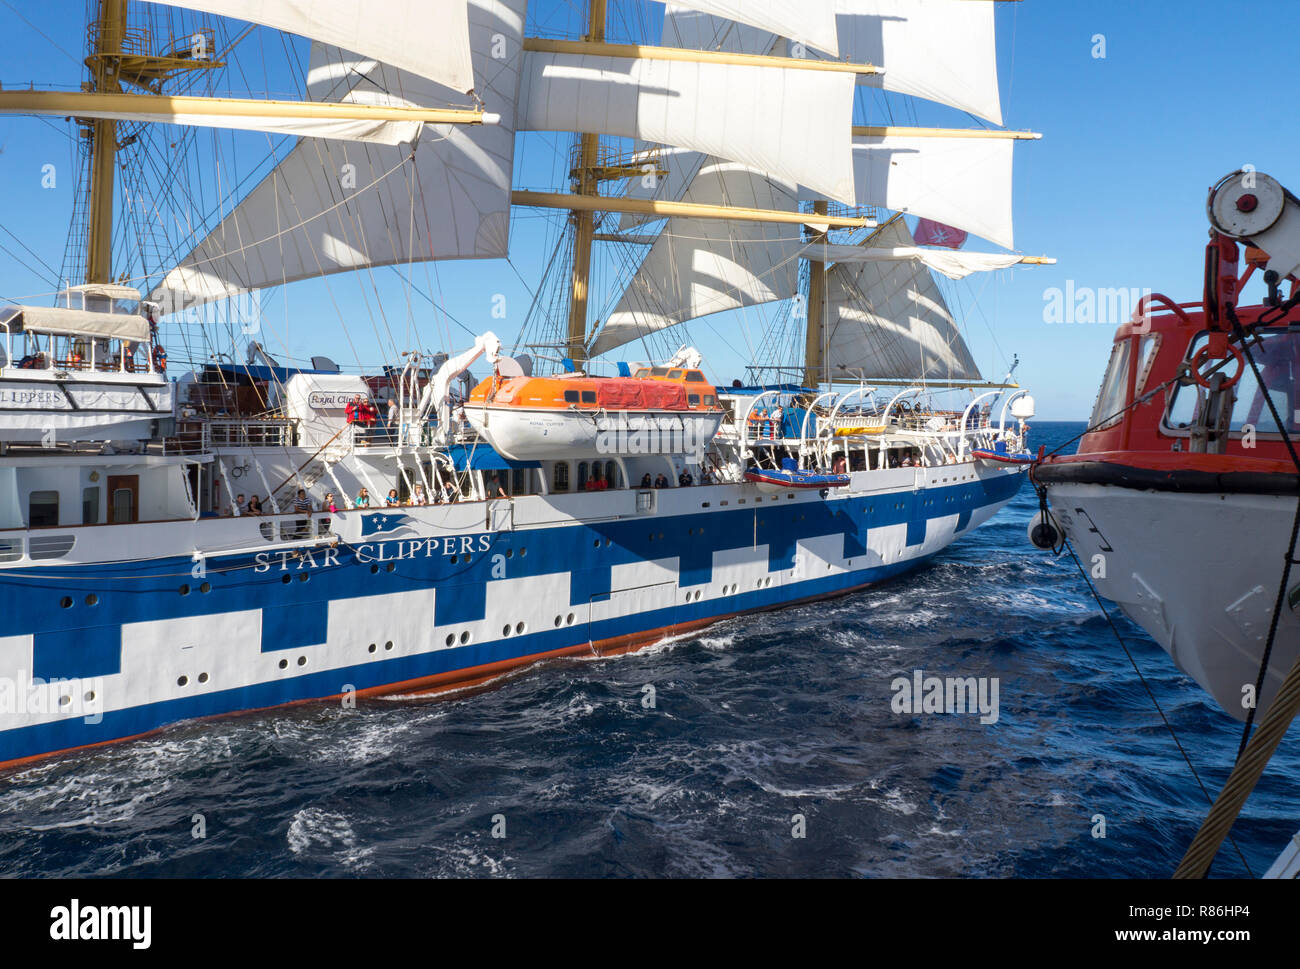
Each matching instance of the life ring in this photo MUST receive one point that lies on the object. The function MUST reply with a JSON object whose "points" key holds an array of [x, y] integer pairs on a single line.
{"points": [[1203, 354]]}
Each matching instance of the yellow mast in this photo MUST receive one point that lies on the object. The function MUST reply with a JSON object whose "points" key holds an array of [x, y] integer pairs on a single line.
{"points": [[814, 340], [586, 182], [108, 34]]}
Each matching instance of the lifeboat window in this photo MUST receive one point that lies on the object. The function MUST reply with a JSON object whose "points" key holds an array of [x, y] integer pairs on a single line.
{"points": [[659, 371], [710, 400], [1110, 399], [561, 477], [674, 375], [1278, 358], [43, 509], [695, 377], [589, 397], [571, 397], [643, 372], [693, 400]]}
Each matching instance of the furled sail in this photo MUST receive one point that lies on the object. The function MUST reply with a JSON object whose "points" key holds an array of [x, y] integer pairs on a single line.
{"points": [[954, 265], [333, 207], [793, 124], [962, 182], [702, 266], [888, 320], [429, 38], [807, 22]]}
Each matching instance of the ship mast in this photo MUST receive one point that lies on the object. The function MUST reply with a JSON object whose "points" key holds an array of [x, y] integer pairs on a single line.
{"points": [[586, 181], [107, 35], [814, 340]]}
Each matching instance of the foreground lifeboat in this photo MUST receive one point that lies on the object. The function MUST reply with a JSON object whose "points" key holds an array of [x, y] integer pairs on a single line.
{"points": [[661, 410], [1182, 497]]}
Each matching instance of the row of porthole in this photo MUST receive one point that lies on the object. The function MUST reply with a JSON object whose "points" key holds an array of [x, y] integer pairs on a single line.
{"points": [[564, 620], [390, 567], [451, 638], [374, 647], [185, 589], [284, 663], [519, 629], [596, 543], [203, 677], [286, 579], [66, 603], [88, 698]]}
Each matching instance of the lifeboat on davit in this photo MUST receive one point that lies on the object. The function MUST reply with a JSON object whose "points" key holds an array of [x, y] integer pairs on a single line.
{"points": [[675, 411], [1182, 496]]}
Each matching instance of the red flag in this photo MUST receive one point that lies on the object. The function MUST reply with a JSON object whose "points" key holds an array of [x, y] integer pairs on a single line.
{"points": [[937, 234]]}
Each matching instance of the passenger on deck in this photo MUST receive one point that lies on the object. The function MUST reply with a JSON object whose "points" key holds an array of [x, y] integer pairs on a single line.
{"points": [[448, 493], [495, 489], [329, 503], [645, 480], [778, 416], [838, 466], [392, 501], [662, 481], [302, 505], [596, 482], [242, 504], [707, 477], [419, 498], [254, 506], [685, 480], [363, 499]]}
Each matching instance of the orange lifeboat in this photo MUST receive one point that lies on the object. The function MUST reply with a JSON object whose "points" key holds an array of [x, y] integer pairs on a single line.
{"points": [[540, 418]]}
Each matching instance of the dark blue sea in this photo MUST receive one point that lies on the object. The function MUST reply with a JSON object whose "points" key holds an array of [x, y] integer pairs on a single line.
{"points": [[757, 722]]}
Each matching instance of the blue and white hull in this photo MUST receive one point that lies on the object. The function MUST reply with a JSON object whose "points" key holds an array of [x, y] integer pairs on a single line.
{"points": [[142, 625]]}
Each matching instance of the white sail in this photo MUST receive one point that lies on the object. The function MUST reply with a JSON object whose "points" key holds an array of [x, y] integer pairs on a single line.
{"points": [[951, 263], [888, 320], [332, 207], [941, 50], [962, 182], [792, 124], [702, 266], [807, 22], [429, 38]]}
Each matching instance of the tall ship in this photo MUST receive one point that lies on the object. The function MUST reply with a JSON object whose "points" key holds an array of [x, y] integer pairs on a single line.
{"points": [[227, 528]]}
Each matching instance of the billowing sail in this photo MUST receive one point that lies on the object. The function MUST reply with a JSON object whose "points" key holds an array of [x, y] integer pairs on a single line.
{"points": [[793, 124], [429, 38], [954, 265], [962, 182], [807, 22], [940, 50], [333, 207], [888, 320], [702, 266]]}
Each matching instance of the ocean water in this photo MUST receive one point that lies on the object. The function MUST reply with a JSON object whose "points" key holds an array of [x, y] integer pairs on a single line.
{"points": [[762, 728]]}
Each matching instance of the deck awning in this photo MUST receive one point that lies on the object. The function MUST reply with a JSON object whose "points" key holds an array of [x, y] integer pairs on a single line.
{"points": [[483, 457], [58, 321]]}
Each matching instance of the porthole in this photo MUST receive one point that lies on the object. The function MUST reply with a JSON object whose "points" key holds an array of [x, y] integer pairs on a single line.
{"points": [[286, 579], [206, 587], [451, 639], [505, 630], [568, 620], [559, 621], [523, 551], [464, 637], [66, 602], [302, 660], [520, 627], [92, 599], [468, 559], [203, 677], [90, 696], [510, 553], [688, 597], [609, 542], [303, 577], [284, 664], [388, 646], [184, 590], [374, 570], [596, 543], [698, 592], [371, 648], [64, 700], [455, 559], [392, 566], [183, 681]]}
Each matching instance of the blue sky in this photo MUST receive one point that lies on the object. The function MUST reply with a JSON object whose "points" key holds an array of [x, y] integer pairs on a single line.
{"points": [[1115, 190]]}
